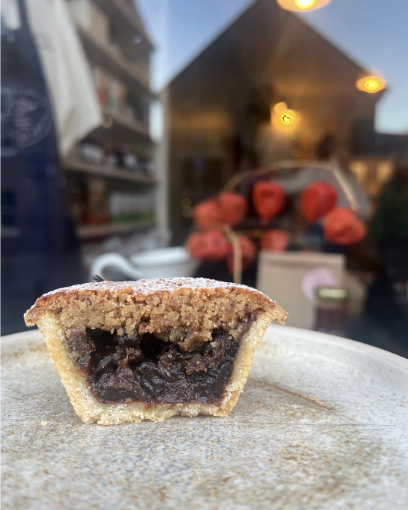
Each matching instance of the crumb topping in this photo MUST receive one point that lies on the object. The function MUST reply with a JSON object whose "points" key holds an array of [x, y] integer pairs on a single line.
{"points": [[180, 310]]}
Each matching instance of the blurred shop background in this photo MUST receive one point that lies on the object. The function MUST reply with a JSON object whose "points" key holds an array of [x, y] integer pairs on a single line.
{"points": [[256, 141]]}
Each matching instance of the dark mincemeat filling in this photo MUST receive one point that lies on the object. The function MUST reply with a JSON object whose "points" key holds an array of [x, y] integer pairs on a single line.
{"points": [[142, 368]]}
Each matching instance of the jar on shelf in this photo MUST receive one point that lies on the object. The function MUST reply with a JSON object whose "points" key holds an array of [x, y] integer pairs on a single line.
{"points": [[331, 310]]}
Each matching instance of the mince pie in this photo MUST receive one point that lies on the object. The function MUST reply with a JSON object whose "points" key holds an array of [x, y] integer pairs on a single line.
{"points": [[152, 349]]}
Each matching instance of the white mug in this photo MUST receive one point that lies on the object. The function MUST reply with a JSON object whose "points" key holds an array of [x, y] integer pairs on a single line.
{"points": [[160, 263]]}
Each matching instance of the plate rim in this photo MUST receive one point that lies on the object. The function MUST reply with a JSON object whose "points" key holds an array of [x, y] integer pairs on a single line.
{"points": [[352, 345]]}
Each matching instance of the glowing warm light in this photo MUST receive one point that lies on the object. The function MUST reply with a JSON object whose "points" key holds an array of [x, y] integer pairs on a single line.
{"points": [[283, 119], [287, 117], [302, 5], [371, 84], [280, 107]]}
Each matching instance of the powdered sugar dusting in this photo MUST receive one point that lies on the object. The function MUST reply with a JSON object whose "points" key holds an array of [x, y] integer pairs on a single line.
{"points": [[147, 287]]}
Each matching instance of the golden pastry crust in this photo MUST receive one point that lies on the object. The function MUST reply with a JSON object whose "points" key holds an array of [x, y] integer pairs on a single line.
{"points": [[180, 310], [183, 310]]}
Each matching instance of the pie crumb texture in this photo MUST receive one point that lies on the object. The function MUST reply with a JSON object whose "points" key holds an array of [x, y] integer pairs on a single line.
{"points": [[185, 311], [181, 310]]}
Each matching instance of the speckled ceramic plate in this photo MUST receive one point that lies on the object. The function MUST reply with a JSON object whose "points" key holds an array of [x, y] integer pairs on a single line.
{"points": [[322, 423]]}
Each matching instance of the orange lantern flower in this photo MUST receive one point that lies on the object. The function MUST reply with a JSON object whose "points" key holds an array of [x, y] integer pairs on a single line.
{"points": [[211, 245], [269, 199], [275, 240], [233, 208], [343, 226], [317, 200], [207, 214]]}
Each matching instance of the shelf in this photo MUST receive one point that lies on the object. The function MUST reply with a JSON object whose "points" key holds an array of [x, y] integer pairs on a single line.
{"points": [[8, 232], [126, 122], [110, 173], [124, 18], [105, 56], [94, 231], [122, 130]]}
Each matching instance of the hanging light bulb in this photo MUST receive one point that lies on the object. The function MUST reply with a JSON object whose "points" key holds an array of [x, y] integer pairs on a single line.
{"points": [[302, 5], [284, 119], [371, 83], [305, 4], [287, 117], [280, 107]]}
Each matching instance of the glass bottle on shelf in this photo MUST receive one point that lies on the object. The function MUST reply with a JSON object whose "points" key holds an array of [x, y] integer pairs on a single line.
{"points": [[331, 310]]}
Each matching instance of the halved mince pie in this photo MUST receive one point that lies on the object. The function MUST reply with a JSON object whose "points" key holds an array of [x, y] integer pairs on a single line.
{"points": [[152, 349]]}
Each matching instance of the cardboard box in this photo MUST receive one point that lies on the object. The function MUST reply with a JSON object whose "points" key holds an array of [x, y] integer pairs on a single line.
{"points": [[291, 277]]}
